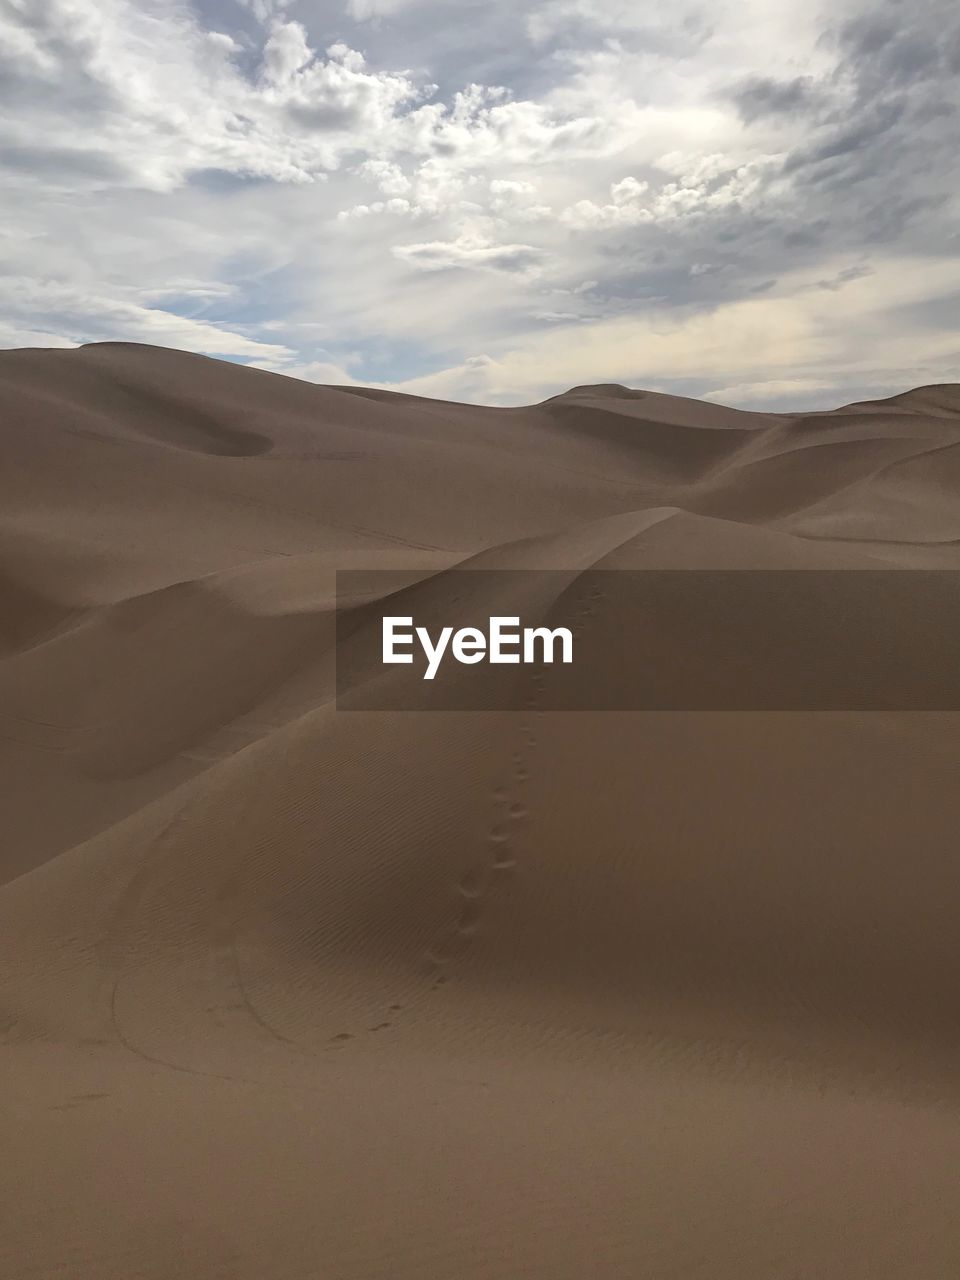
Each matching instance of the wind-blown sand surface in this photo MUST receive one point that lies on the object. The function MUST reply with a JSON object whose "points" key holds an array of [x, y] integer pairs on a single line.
{"points": [[288, 993]]}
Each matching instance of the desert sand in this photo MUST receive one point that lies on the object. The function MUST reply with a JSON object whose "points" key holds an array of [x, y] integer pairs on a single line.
{"points": [[292, 992]]}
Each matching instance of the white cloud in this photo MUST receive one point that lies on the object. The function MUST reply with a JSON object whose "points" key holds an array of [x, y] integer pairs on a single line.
{"points": [[625, 208], [364, 10], [389, 177], [71, 316], [161, 98], [769, 390], [469, 252], [220, 40], [513, 200], [511, 192], [473, 380], [285, 53], [555, 18], [13, 335], [264, 10], [760, 351], [704, 185], [628, 190], [326, 372], [397, 206]]}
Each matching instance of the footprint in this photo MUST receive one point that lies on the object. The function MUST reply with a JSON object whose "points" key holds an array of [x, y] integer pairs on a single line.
{"points": [[469, 919], [344, 1035], [77, 1100], [518, 812], [498, 835], [471, 886]]}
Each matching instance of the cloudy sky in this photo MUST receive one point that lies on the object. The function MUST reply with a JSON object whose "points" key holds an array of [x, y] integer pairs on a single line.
{"points": [[492, 200]]}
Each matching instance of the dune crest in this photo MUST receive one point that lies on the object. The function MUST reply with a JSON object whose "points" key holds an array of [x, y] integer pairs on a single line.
{"points": [[287, 991]]}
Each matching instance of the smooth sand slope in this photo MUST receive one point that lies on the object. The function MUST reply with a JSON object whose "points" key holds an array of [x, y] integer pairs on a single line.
{"points": [[293, 993]]}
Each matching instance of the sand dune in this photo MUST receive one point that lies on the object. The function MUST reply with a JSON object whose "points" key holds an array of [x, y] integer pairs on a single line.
{"points": [[290, 992]]}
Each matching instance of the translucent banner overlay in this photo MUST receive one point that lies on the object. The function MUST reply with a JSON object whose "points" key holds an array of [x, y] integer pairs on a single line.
{"points": [[649, 640]]}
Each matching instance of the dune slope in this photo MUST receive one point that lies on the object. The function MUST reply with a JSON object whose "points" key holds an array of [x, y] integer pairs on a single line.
{"points": [[290, 992]]}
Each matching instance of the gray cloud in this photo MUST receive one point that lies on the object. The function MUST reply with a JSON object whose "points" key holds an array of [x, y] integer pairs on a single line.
{"points": [[842, 142], [759, 97], [60, 165], [844, 277]]}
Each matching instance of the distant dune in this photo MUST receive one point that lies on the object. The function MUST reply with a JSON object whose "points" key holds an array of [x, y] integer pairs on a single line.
{"points": [[288, 993]]}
